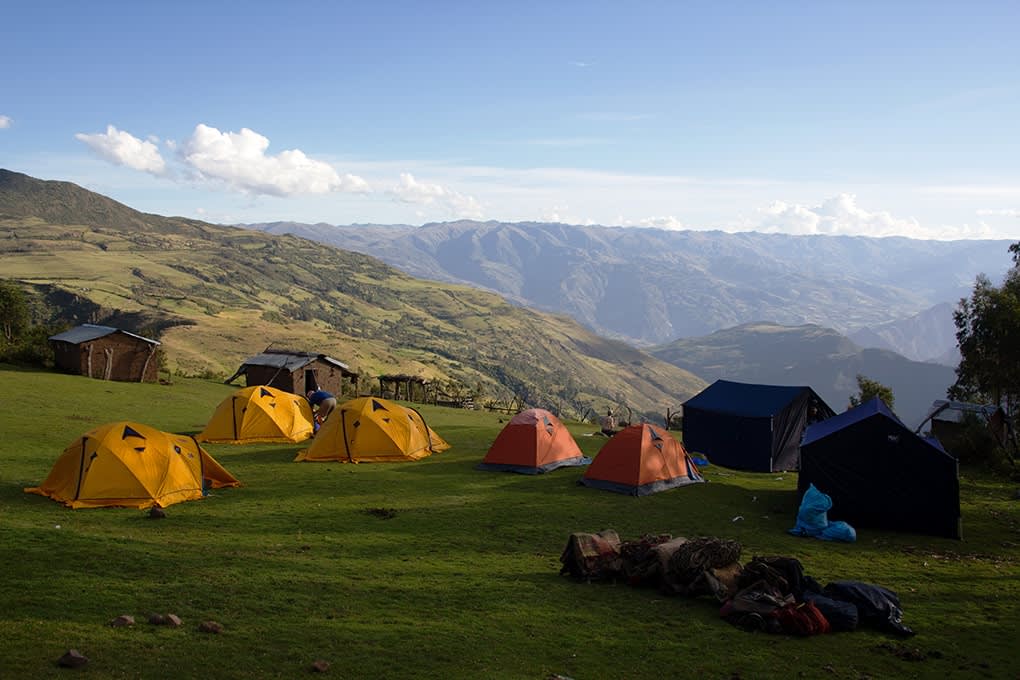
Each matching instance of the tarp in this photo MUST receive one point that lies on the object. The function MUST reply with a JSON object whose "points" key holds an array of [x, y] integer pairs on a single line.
{"points": [[880, 474], [371, 429], [259, 414], [640, 460], [534, 441], [751, 427], [128, 464]]}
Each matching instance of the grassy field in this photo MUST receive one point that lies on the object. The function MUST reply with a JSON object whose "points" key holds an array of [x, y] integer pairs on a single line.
{"points": [[459, 579]]}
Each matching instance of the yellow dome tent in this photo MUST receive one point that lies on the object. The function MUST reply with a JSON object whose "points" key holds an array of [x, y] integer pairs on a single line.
{"points": [[373, 430], [125, 464], [259, 414]]}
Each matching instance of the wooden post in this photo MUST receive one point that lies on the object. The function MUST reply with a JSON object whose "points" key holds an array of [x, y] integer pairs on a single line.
{"points": [[109, 363], [145, 366]]}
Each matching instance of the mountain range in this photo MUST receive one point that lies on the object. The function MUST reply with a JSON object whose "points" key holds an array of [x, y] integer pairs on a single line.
{"points": [[652, 286], [216, 294], [929, 335], [810, 355]]}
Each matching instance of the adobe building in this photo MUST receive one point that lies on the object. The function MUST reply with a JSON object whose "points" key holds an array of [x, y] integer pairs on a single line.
{"points": [[297, 372], [106, 353]]}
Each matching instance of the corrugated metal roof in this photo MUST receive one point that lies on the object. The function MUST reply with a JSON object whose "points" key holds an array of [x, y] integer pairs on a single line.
{"points": [[291, 362], [336, 362], [88, 331], [954, 411]]}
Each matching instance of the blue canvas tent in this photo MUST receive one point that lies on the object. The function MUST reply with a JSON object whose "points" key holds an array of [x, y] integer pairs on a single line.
{"points": [[751, 427], [880, 474]]}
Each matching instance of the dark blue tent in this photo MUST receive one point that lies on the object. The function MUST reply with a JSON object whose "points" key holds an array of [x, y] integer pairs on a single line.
{"points": [[880, 474], [751, 427]]}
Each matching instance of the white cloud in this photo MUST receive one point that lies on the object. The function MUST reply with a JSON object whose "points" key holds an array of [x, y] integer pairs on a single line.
{"points": [[1000, 212], [5, 122], [561, 214], [123, 148], [837, 215], [239, 159], [410, 190], [840, 215], [663, 222]]}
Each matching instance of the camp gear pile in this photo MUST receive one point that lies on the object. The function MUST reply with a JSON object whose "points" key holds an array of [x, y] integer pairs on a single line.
{"points": [[771, 594]]}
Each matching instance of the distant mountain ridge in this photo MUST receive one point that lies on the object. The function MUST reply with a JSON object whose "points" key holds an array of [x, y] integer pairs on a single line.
{"points": [[649, 286], [218, 294], [810, 355], [929, 335], [215, 295]]}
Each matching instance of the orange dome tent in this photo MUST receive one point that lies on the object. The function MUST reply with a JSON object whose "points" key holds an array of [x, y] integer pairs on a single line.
{"points": [[125, 464], [373, 430], [534, 441], [640, 460]]}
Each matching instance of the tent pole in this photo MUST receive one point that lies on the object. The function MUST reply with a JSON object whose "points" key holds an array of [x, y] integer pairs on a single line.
{"points": [[201, 465], [343, 431], [81, 468]]}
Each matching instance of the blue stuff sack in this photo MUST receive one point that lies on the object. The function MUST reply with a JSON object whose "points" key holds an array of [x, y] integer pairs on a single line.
{"points": [[812, 518], [839, 531]]}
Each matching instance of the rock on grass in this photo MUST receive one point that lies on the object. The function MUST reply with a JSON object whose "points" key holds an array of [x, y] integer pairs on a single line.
{"points": [[210, 627], [72, 658]]}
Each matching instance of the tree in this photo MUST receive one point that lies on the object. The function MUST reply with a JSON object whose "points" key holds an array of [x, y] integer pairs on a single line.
{"points": [[14, 314], [988, 335], [867, 389]]}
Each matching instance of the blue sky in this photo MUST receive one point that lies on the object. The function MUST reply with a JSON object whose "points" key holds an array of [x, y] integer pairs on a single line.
{"points": [[873, 118]]}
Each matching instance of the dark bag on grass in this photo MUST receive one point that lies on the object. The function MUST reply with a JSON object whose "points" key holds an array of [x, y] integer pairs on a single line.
{"points": [[876, 606], [592, 557], [686, 572], [842, 616], [802, 619], [788, 569], [755, 607], [640, 561]]}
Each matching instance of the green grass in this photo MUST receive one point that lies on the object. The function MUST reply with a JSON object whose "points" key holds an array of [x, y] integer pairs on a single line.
{"points": [[461, 582]]}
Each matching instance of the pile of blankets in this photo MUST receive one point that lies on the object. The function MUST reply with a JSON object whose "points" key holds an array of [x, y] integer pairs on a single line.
{"points": [[770, 594]]}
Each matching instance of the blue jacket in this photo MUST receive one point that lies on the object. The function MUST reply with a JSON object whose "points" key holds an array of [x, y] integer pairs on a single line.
{"points": [[318, 397]]}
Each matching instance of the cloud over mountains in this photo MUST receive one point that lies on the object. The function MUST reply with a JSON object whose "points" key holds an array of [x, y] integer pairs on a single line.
{"points": [[240, 161], [123, 148]]}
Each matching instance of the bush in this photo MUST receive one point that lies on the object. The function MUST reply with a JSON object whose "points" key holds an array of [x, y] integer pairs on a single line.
{"points": [[972, 443], [31, 348]]}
